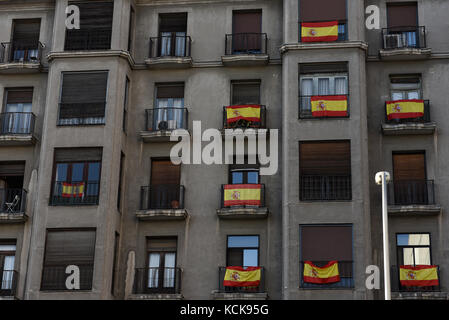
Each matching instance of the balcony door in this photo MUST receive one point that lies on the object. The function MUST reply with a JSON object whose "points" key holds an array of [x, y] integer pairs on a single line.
{"points": [[18, 117], [172, 34], [410, 182], [11, 186], [7, 261], [161, 264], [246, 31], [165, 184], [169, 110], [402, 20], [25, 40]]}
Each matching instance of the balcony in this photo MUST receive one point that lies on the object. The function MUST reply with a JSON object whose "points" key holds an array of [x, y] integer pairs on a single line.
{"points": [[8, 288], [245, 49], [414, 197], [88, 40], [54, 277], [162, 202], [242, 205], [345, 269], [325, 188], [75, 193], [157, 284], [400, 292], [161, 122], [239, 293], [20, 57], [404, 43], [409, 126], [170, 51], [76, 114], [13, 206], [235, 118], [325, 111], [17, 129]]}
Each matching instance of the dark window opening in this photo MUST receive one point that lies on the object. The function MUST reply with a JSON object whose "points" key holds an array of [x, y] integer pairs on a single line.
{"points": [[17, 117], [169, 112], [173, 40], [12, 194], [24, 45]]}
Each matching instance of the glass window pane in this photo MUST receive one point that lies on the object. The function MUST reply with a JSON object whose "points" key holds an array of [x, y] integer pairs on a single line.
{"points": [[397, 96], [94, 171], [412, 95], [243, 242], [408, 256], [340, 86], [253, 177], [422, 256], [77, 172], [237, 177], [419, 239], [323, 86], [61, 171], [250, 258]]}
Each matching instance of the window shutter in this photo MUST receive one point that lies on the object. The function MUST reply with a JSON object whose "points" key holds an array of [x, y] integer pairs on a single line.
{"points": [[322, 10], [245, 93], [78, 154], [400, 15], [173, 91], [325, 158], [409, 166], [19, 95], [247, 22], [173, 22], [165, 172], [326, 243]]}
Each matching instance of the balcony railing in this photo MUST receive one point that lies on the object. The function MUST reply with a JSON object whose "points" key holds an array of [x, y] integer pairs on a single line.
{"points": [[170, 46], [425, 118], [262, 198], [224, 289], [411, 192], [305, 107], [342, 30], [81, 113], [21, 51], [157, 280], [8, 280], [17, 123], [87, 39], [159, 119], [325, 188], [403, 37], [13, 200], [54, 277], [75, 193], [246, 43], [244, 123], [397, 287], [166, 196], [345, 269]]}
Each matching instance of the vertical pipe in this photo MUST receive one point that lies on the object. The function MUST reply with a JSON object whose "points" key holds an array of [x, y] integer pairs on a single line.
{"points": [[387, 283]]}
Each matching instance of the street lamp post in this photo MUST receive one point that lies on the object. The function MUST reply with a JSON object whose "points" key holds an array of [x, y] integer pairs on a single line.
{"points": [[382, 178]]}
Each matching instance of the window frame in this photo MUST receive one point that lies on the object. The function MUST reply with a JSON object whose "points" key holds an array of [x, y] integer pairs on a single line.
{"points": [[399, 248], [228, 249]]}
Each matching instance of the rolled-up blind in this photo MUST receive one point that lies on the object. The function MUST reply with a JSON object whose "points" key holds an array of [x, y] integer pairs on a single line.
{"points": [[26, 31], [332, 67], [19, 95], [245, 93], [325, 158], [167, 91], [173, 22], [402, 15], [161, 244], [322, 10], [164, 172], [78, 154], [247, 21], [12, 168]]}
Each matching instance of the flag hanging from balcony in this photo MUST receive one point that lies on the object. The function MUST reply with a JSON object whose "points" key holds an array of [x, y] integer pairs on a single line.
{"points": [[319, 31], [418, 276], [249, 112], [72, 190], [329, 106], [321, 275], [242, 277], [241, 194], [405, 109]]}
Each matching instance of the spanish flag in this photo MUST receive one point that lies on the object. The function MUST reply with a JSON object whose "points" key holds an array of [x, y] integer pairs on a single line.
{"points": [[319, 31], [242, 277], [329, 106], [72, 190], [242, 194], [327, 274], [249, 112], [418, 276], [403, 109]]}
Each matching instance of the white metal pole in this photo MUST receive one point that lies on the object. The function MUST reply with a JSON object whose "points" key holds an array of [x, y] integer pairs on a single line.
{"points": [[386, 244]]}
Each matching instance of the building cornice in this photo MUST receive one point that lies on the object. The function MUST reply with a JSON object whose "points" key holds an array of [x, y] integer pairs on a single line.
{"points": [[91, 54], [324, 45]]}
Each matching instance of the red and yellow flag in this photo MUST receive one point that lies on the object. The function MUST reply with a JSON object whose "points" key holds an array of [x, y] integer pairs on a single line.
{"points": [[403, 109], [329, 106], [418, 276], [242, 194], [72, 190], [249, 112], [327, 274], [242, 277], [319, 31]]}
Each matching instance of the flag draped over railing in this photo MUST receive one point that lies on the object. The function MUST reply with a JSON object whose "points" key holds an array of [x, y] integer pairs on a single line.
{"points": [[418, 276], [327, 274], [242, 194], [404, 109], [319, 31], [249, 112], [72, 190], [329, 106], [242, 277]]}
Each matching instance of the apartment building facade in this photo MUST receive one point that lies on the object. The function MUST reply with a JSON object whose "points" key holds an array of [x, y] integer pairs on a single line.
{"points": [[85, 172]]}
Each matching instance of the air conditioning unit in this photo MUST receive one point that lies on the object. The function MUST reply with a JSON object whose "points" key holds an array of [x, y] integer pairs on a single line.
{"points": [[392, 41]]}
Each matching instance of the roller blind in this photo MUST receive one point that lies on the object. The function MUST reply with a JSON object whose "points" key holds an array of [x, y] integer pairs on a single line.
{"points": [[167, 91], [245, 93], [322, 10], [247, 21], [12, 168], [409, 166], [334, 67], [325, 243], [26, 31], [162, 244], [164, 172], [78, 154], [173, 22], [402, 15], [325, 158], [19, 95]]}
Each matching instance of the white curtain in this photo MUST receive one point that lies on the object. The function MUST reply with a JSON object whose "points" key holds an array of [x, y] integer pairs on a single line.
{"points": [[19, 120], [165, 43], [153, 271], [167, 113], [180, 44], [169, 274], [341, 87], [306, 93], [8, 268], [323, 86]]}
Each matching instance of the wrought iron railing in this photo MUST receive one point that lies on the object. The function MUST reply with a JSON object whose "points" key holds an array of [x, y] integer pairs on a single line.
{"points": [[244, 124], [75, 193], [397, 287], [159, 119], [222, 288], [21, 51], [262, 198], [54, 277], [246, 43], [411, 192], [13, 200], [164, 196], [404, 37], [305, 107], [17, 123], [170, 46], [157, 280], [423, 119], [345, 270], [87, 39], [81, 113], [312, 187], [8, 280]]}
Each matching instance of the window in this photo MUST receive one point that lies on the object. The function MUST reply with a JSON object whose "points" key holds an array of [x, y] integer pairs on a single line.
{"points": [[321, 244], [243, 251], [246, 31], [12, 195], [162, 273], [95, 26], [17, 117], [325, 170], [7, 266], [413, 249], [64, 248], [245, 92], [125, 105], [83, 98], [169, 112], [76, 176], [243, 173], [172, 34], [25, 41], [405, 87], [403, 30]]}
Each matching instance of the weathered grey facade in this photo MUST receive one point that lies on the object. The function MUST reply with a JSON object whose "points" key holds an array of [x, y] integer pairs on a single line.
{"points": [[207, 71]]}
